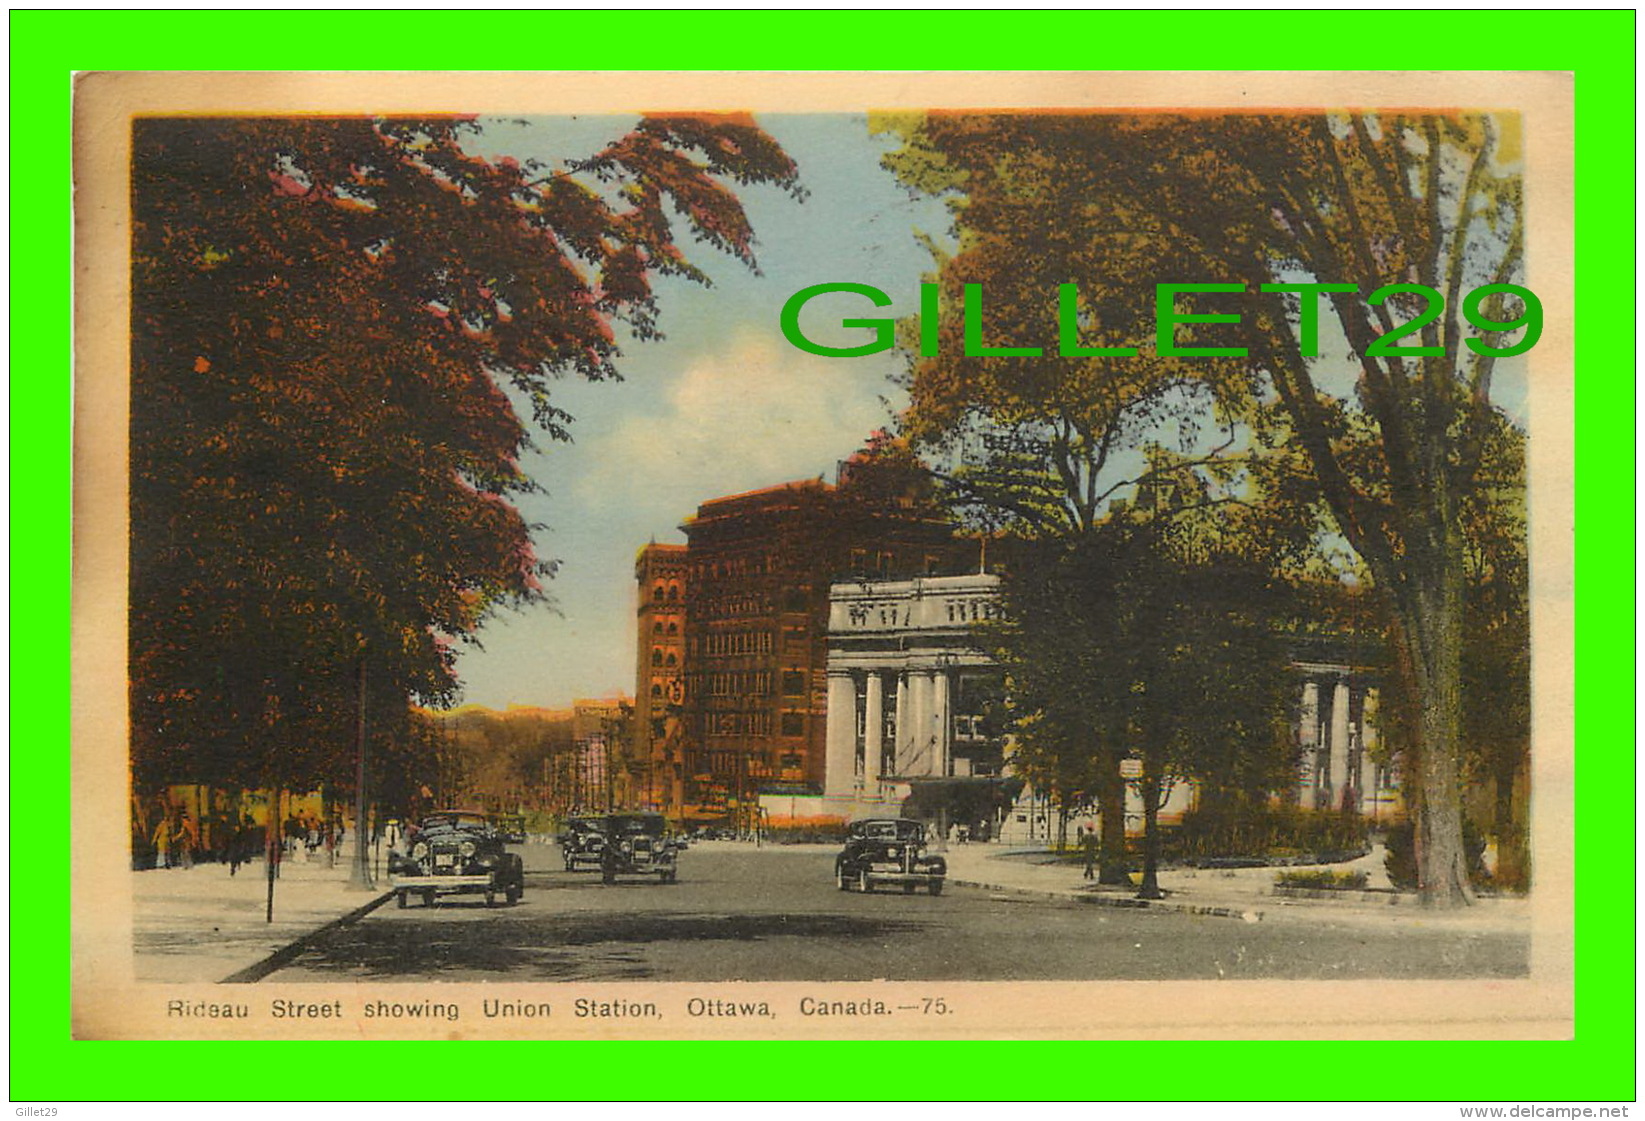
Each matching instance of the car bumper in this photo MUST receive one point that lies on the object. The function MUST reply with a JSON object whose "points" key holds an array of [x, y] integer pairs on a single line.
{"points": [[897, 876], [442, 884]]}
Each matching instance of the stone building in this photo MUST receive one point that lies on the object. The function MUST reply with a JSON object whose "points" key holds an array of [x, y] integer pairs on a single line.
{"points": [[910, 731]]}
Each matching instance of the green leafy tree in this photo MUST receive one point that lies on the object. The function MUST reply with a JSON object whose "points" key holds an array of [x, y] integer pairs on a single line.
{"points": [[1361, 199], [1038, 445], [343, 334], [1114, 646]]}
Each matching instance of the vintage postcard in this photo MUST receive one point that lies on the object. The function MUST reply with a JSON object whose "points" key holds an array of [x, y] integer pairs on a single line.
{"points": [[569, 556]]}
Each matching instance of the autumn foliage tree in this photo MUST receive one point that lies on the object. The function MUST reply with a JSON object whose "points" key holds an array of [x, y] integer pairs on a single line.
{"points": [[345, 332]]}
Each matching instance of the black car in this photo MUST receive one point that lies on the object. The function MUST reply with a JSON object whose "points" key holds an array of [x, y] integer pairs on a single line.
{"points": [[581, 842], [455, 854], [638, 845], [888, 850]]}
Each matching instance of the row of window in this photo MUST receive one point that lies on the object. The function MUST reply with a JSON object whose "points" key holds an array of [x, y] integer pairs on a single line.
{"points": [[720, 643], [666, 593], [673, 627], [753, 684], [752, 724], [659, 657]]}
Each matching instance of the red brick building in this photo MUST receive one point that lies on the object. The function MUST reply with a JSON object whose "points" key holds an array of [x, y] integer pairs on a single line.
{"points": [[758, 568]]}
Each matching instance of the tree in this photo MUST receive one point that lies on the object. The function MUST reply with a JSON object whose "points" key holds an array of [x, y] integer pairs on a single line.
{"points": [[1037, 445], [336, 326], [1115, 643], [1362, 200]]}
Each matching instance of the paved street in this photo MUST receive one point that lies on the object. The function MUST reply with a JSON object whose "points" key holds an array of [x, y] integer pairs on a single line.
{"points": [[775, 915]]}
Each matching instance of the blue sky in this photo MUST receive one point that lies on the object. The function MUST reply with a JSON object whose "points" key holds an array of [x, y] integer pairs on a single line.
{"points": [[723, 404]]}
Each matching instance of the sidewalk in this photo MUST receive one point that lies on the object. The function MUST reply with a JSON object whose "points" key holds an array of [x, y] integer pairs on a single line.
{"points": [[201, 924], [1247, 894]]}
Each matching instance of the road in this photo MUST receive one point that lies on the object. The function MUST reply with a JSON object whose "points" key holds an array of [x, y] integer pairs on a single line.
{"points": [[773, 915]]}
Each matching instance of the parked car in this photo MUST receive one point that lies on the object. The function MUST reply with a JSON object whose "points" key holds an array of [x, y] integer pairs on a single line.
{"points": [[888, 850], [456, 854], [581, 842], [638, 845]]}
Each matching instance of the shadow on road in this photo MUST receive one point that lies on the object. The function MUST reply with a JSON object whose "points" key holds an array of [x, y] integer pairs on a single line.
{"points": [[530, 949]]}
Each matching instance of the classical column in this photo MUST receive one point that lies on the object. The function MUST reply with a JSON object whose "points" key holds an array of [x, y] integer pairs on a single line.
{"points": [[1367, 741], [840, 773], [939, 723], [873, 731], [1339, 745], [919, 731], [900, 740], [1308, 738]]}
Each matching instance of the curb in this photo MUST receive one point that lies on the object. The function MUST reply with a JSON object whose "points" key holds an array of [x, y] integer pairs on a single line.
{"points": [[283, 956], [1208, 909]]}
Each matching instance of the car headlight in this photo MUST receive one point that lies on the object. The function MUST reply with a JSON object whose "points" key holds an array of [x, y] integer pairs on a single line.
{"points": [[627, 847], [466, 848], [419, 850], [893, 852]]}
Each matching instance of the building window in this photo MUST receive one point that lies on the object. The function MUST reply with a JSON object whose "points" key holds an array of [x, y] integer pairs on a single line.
{"points": [[793, 683], [793, 724], [656, 657]]}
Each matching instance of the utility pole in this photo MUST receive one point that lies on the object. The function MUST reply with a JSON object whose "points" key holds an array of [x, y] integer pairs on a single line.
{"points": [[359, 878]]}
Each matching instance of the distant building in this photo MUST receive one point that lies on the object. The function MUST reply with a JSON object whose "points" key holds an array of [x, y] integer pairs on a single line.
{"points": [[659, 676], [600, 774]]}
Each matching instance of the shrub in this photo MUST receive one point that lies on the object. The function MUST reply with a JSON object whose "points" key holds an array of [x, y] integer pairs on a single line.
{"points": [[1267, 831], [1326, 878]]}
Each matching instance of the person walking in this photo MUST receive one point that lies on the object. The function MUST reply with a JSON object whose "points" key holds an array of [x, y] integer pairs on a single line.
{"points": [[162, 842], [185, 840], [1088, 845]]}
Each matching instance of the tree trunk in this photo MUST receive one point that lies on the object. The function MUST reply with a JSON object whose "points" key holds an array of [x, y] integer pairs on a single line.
{"points": [[1114, 865], [1435, 634], [1150, 836]]}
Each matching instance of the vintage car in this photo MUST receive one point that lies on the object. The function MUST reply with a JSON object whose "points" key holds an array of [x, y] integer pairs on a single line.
{"points": [[510, 827], [638, 844], [581, 842], [455, 854], [888, 850]]}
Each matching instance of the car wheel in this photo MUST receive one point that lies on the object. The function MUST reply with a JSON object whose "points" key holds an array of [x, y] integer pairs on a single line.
{"points": [[608, 877], [401, 896], [864, 884], [513, 895], [570, 864], [491, 898], [908, 889], [428, 899], [936, 887], [840, 880]]}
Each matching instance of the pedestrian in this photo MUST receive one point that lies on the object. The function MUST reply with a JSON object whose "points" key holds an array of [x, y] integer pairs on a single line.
{"points": [[185, 839], [162, 842], [1088, 845]]}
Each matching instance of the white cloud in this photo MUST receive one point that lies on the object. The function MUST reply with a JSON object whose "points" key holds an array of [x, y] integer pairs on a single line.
{"points": [[755, 414]]}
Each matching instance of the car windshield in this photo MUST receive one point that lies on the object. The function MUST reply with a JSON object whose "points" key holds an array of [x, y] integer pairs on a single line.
{"points": [[471, 823], [892, 830], [647, 824]]}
